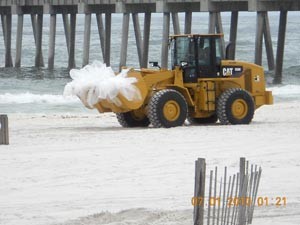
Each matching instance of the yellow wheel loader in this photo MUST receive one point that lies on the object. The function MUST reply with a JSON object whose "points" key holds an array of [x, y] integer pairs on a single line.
{"points": [[202, 86]]}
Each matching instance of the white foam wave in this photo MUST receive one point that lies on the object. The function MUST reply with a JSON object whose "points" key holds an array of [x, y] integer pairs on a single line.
{"points": [[25, 98], [286, 91]]}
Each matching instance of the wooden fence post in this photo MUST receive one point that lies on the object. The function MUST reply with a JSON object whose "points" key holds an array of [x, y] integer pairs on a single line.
{"points": [[199, 191], [4, 140], [242, 192]]}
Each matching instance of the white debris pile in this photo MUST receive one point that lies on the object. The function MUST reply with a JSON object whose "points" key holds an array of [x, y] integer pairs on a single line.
{"points": [[97, 82]]}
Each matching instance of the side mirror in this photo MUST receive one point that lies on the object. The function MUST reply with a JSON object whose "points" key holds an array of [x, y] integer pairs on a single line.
{"points": [[154, 64], [183, 64]]}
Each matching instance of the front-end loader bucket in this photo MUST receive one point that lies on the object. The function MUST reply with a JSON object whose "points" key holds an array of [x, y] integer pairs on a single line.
{"points": [[121, 103]]}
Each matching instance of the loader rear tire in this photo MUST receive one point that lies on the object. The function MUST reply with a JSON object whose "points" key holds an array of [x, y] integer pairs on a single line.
{"points": [[235, 106], [211, 119], [167, 108], [132, 119]]}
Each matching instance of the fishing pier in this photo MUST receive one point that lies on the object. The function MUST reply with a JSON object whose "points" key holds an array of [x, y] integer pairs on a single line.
{"points": [[103, 9]]}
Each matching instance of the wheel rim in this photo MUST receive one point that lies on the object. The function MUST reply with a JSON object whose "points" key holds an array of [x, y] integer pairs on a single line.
{"points": [[239, 108], [171, 110]]}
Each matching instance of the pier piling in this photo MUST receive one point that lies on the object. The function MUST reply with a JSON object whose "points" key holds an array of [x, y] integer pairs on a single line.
{"points": [[6, 27], [102, 34], [188, 23], [138, 37], [39, 62], [107, 38], [146, 38], [86, 39], [212, 23], [233, 33], [71, 63], [124, 42], [19, 40], [280, 47], [268, 42], [176, 25], [66, 23], [165, 38], [259, 38], [52, 33]]}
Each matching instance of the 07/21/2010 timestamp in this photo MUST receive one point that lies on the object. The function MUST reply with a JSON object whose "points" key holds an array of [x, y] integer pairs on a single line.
{"points": [[240, 201]]}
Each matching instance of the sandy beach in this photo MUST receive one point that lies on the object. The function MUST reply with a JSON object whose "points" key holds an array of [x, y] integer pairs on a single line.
{"points": [[86, 169]]}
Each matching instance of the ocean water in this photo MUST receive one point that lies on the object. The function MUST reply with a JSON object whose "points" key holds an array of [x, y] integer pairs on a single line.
{"points": [[31, 90]]}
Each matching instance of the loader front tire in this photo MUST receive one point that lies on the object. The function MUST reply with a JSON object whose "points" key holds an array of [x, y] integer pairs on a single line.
{"points": [[132, 119], [167, 108], [235, 106]]}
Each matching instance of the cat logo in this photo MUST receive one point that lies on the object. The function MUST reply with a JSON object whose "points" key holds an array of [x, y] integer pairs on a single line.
{"points": [[227, 71]]}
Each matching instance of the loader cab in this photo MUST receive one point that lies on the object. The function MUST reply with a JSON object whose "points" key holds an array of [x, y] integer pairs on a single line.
{"points": [[199, 56]]}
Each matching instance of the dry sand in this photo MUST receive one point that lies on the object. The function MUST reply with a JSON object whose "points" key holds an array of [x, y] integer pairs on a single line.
{"points": [[84, 169]]}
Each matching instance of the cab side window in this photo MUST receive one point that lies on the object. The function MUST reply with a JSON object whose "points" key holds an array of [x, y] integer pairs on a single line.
{"points": [[183, 51], [219, 53], [204, 52]]}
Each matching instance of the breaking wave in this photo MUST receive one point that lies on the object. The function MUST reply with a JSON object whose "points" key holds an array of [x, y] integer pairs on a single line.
{"points": [[27, 97], [286, 90], [284, 93]]}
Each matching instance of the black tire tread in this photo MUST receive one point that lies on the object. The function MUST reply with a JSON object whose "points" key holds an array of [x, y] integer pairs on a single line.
{"points": [[126, 120], [153, 113], [222, 112]]}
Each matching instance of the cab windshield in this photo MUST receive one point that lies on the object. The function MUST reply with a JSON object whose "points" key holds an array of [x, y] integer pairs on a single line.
{"points": [[183, 50]]}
